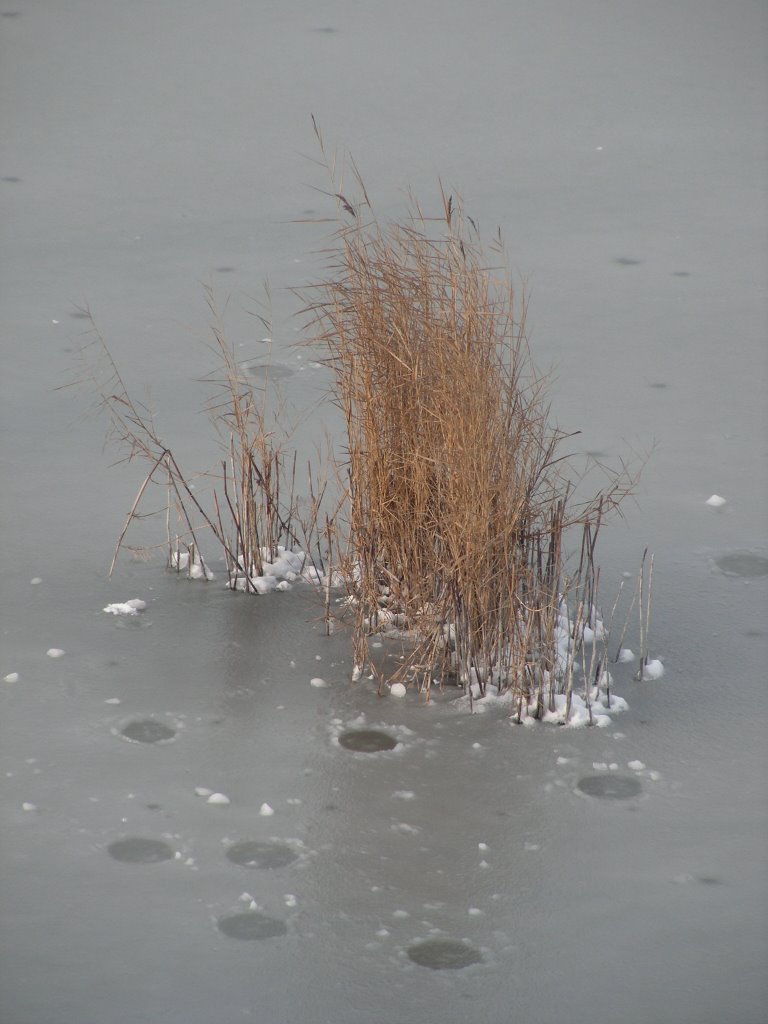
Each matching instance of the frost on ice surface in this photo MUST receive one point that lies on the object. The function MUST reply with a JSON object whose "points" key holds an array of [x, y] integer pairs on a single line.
{"points": [[132, 607], [266, 811], [12, 677], [218, 798], [55, 652], [716, 501]]}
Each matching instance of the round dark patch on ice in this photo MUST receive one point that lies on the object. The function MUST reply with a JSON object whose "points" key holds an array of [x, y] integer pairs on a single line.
{"points": [[147, 730], [743, 564], [444, 954], [136, 850], [367, 741], [626, 261], [268, 371], [251, 925], [253, 854], [609, 787]]}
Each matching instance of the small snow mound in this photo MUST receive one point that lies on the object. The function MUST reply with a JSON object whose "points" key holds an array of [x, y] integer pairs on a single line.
{"points": [[636, 766], [397, 690], [653, 669], [266, 811], [28, 807], [716, 501], [132, 607], [218, 798], [317, 682], [12, 677], [55, 652], [202, 791], [626, 655]]}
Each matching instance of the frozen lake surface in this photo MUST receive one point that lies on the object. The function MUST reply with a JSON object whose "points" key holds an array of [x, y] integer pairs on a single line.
{"points": [[191, 830]]}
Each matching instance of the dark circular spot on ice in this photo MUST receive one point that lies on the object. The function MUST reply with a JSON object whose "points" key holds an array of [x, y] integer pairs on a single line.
{"points": [[626, 261], [253, 854], [609, 787], [367, 741], [444, 954], [137, 850], [251, 925], [147, 730], [225, 270], [742, 564]]}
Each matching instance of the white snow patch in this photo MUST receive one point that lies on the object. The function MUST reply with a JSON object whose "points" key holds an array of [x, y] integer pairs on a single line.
{"points": [[290, 900], [218, 798], [202, 791], [626, 655], [317, 682], [266, 811], [113, 700], [483, 846], [636, 766], [36, 580], [397, 690], [28, 807], [563, 760], [55, 652], [132, 607], [404, 794], [474, 912], [716, 501], [403, 826], [400, 913], [653, 669], [12, 677]]}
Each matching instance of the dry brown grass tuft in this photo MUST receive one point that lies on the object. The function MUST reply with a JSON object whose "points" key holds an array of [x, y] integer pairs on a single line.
{"points": [[459, 496]]}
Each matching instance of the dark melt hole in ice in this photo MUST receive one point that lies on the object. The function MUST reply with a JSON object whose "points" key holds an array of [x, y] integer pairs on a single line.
{"points": [[367, 741], [147, 730], [225, 270], [626, 261], [253, 854], [444, 954], [609, 787], [743, 564], [708, 880], [11, 179], [10, 14], [268, 371], [136, 850], [251, 925]]}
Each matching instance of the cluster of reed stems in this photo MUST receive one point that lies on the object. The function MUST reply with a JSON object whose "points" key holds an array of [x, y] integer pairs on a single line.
{"points": [[460, 498], [252, 510], [458, 527]]}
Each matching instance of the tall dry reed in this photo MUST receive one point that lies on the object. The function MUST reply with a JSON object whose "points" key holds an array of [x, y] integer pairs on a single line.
{"points": [[459, 495]]}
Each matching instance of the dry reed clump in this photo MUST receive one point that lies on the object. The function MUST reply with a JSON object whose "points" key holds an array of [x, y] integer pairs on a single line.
{"points": [[252, 510], [459, 500]]}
